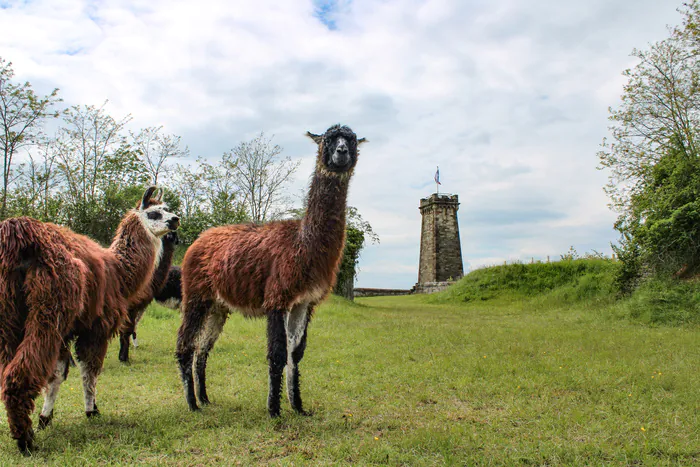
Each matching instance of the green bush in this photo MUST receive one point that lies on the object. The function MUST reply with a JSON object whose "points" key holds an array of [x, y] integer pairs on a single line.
{"points": [[664, 301]]}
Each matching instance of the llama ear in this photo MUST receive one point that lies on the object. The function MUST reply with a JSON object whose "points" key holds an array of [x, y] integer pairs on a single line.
{"points": [[159, 195], [147, 197], [318, 139], [362, 140]]}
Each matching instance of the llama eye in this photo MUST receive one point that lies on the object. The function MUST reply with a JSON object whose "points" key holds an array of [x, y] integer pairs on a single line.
{"points": [[154, 215]]}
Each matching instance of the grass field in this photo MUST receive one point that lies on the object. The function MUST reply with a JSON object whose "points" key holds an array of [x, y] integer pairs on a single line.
{"points": [[401, 381]]}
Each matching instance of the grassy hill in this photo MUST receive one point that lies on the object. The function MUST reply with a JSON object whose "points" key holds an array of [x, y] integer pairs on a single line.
{"points": [[401, 381], [566, 281], [581, 282]]}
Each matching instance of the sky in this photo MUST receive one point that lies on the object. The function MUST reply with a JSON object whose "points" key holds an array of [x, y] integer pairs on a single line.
{"points": [[509, 98]]}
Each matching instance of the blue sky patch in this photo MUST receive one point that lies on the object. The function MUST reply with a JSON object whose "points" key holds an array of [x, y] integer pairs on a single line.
{"points": [[326, 11], [72, 51]]}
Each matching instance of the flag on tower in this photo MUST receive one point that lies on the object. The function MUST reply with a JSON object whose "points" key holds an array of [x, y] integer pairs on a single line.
{"points": [[437, 176]]}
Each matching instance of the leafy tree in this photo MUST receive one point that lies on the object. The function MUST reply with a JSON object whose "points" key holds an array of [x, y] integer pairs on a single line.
{"points": [[22, 112], [659, 110], [36, 184], [357, 232], [87, 139], [654, 180], [208, 196], [224, 196], [345, 283], [664, 222]]}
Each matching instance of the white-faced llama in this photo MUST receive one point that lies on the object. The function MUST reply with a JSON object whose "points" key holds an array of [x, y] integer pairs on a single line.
{"points": [[279, 270], [57, 287]]}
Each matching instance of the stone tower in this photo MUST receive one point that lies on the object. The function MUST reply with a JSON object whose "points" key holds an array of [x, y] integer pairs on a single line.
{"points": [[440, 248]]}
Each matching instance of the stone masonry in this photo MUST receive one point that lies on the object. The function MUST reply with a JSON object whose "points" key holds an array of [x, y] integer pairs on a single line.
{"points": [[440, 249]]}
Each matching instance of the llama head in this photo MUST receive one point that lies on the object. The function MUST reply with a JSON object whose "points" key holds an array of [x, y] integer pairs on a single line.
{"points": [[337, 148], [154, 214]]}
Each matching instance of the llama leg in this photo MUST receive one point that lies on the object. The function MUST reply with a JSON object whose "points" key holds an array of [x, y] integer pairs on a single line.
{"points": [[124, 338], [60, 373], [276, 358], [296, 323], [49, 313], [193, 317], [135, 315], [91, 350], [210, 333], [23, 378], [136, 323]]}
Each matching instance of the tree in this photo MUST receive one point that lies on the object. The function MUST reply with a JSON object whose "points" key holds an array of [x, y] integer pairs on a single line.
{"points": [[663, 227], [36, 186], [659, 110], [86, 140], [345, 281], [101, 173], [654, 180], [357, 232], [223, 195], [261, 176], [189, 184], [156, 149], [22, 112]]}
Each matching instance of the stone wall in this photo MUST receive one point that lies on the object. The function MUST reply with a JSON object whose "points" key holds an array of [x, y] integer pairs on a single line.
{"points": [[432, 287], [369, 292]]}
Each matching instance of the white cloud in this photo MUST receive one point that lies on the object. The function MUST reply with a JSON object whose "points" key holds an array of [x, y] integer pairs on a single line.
{"points": [[509, 98]]}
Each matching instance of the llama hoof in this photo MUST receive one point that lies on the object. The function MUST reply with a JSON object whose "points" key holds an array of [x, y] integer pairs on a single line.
{"points": [[92, 413], [274, 413], [305, 413], [194, 408], [26, 443], [124, 357], [45, 421], [204, 401]]}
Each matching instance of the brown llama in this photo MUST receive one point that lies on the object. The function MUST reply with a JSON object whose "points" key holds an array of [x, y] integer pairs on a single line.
{"points": [[58, 287], [280, 270], [138, 305]]}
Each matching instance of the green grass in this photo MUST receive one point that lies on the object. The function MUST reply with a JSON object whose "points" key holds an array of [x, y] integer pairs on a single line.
{"points": [[401, 381], [663, 301]]}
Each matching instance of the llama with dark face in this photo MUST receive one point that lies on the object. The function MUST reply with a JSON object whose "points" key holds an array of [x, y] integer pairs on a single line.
{"points": [[279, 270], [139, 304], [58, 287]]}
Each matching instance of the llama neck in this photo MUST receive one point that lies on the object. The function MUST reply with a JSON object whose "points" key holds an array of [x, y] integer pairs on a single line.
{"points": [[323, 225], [136, 252], [161, 270]]}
